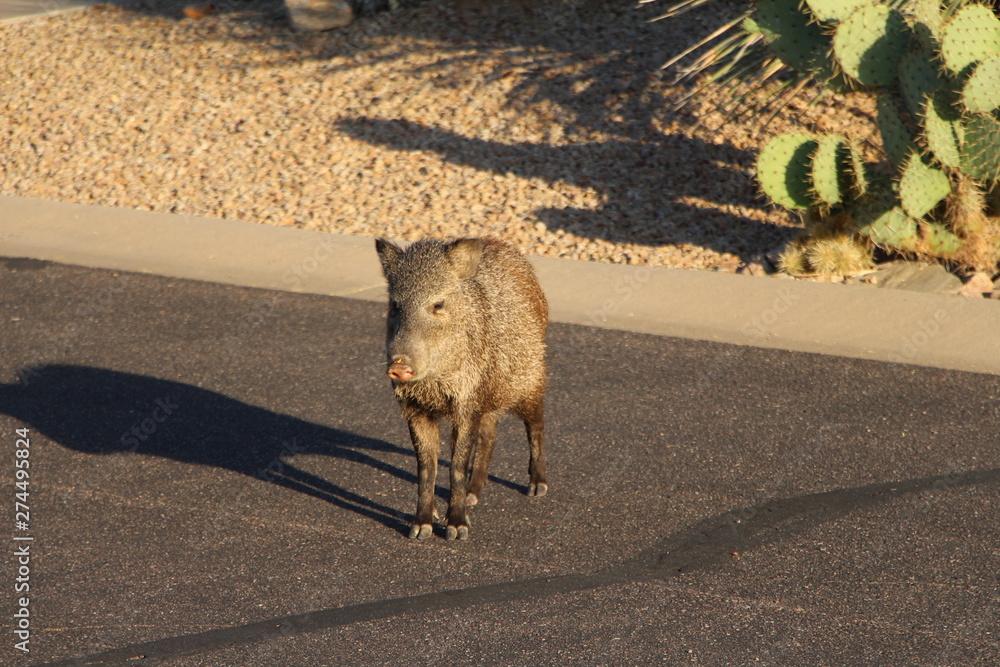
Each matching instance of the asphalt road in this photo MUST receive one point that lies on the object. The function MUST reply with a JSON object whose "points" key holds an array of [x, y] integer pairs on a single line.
{"points": [[219, 476]]}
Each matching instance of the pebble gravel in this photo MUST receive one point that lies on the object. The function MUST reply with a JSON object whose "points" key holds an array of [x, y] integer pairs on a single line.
{"points": [[547, 123]]}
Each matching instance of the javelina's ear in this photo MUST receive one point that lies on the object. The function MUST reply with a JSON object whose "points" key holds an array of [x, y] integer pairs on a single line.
{"points": [[388, 253], [464, 255]]}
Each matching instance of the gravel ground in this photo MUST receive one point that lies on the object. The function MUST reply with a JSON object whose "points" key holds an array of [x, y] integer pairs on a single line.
{"points": [[547, 123]]}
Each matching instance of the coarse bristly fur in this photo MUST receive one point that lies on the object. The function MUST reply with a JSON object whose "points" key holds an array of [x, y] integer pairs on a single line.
{"points": [[465, 341]]}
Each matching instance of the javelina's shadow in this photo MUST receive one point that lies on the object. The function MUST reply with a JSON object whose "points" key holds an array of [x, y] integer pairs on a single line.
{"points": [[99, 411]]}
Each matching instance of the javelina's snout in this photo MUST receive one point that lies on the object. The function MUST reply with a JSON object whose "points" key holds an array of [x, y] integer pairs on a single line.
{"points": [[400, 369]]}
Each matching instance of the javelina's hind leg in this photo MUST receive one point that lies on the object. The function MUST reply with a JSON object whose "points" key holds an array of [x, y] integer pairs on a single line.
{"points": [[480, 462], [426, 442], [533, 414]]}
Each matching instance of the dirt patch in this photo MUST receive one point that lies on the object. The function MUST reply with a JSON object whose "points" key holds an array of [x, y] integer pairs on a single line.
{"points": [[548, 124]]}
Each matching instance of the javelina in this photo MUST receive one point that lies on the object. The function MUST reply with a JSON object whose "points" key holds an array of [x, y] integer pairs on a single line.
{"points": [[465, 341]]}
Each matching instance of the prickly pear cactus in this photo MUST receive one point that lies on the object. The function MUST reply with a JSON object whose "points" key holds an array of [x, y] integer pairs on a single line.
{"points": [[935, 71]]}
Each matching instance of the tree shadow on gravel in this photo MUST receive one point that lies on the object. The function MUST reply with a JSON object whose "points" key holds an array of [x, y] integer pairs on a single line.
{"points": [[596, 63], [99, 411], [634, 212], [600, 61]]}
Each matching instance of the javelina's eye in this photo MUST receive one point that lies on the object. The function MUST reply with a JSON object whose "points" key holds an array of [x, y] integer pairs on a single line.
{"points": [[393, 309], [438, 307]]}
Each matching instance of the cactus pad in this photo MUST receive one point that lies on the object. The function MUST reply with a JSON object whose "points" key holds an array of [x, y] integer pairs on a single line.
{"points": [[924, 17], [970, 35], [896, 138], [869, 44], [943, 131], [829, 169], [834, 10], [887, 225], [981, 147], [981, 93], [918, 79], [798, 42], [783, 170], [922, 187], [857, 169], [940, 242]]}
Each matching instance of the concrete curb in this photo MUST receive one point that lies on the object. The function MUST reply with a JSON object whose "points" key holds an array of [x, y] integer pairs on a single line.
{"points": [[14, 11], [852, 321]]}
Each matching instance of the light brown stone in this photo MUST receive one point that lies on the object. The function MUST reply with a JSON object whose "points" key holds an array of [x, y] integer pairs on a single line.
{"points": [[978, 285], [316, 15]]}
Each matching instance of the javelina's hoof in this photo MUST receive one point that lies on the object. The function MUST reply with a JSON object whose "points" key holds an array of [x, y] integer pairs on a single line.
{"points": [[538, 490], [457, 533], [421, 531], [471, 499]]}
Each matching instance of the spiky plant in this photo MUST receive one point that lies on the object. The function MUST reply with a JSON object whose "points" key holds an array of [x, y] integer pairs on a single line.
{"points": [[793, 259], [935, 70], [841, 255]]}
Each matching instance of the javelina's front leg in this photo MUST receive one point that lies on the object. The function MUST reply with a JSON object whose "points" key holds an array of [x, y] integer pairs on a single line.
{"points": [[464, 434], [426, 441]]}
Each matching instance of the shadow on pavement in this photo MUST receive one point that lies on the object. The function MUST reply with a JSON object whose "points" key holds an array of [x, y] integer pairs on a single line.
{"points": [[100, 411], [707, 545]]}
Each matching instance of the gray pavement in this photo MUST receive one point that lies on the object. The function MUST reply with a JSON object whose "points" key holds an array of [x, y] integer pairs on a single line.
{"points": [[219, 476]]}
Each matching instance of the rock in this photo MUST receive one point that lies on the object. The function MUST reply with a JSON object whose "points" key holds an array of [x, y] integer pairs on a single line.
{"points": [[199, 11], [757, 266], [774, 256], [752, 269], [978, 285], [827, 278], [729, 265], [916, 277], [315, 15]]}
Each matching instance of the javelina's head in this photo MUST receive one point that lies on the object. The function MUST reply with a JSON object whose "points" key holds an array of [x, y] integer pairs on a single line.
{"points": [[430, 311]]}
